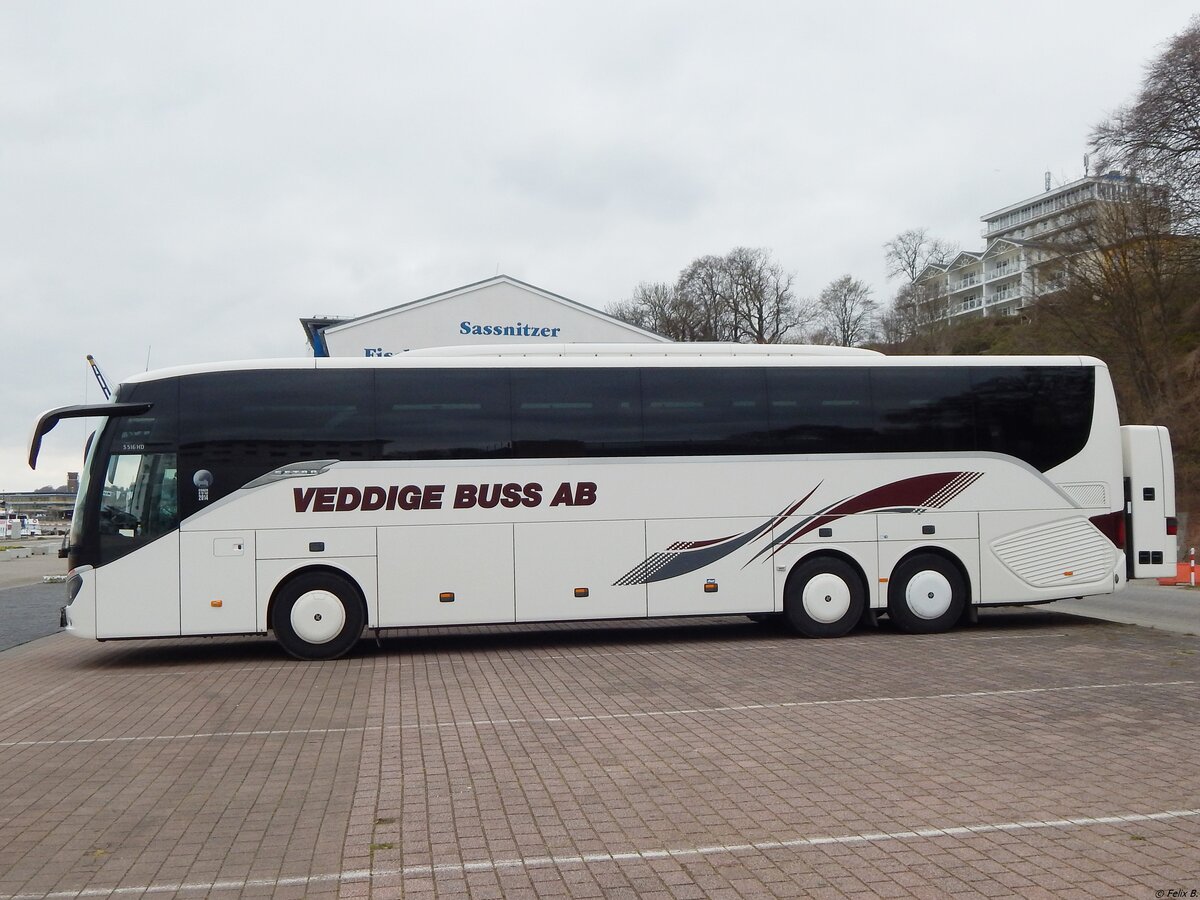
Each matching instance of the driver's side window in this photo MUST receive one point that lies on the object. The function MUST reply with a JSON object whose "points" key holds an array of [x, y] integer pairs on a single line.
{"points": [[139, 501]]}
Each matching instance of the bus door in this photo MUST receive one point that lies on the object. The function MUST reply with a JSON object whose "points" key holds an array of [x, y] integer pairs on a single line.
{"points": [[1150, 541], [137, 510]]}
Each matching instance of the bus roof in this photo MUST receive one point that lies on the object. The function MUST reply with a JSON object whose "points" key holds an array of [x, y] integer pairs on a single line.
{"points": [[645, 351], [616, 356]]}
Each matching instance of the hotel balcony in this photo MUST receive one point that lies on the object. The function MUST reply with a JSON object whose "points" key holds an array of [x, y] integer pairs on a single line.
{"points": [[1000, 296], [971, 304], [1006, 271]]}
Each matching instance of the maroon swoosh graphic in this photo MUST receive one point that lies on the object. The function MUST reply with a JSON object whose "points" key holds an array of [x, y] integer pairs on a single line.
{"points": [[906, 493]]}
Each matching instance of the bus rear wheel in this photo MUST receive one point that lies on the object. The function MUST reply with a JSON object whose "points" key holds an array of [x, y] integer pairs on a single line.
{"points": [[824, 597], [318, 616], [926, 594]]}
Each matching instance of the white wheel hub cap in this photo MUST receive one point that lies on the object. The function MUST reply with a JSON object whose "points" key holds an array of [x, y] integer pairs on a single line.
{"points": [[928, 594], [826, 598], [318, 617]]}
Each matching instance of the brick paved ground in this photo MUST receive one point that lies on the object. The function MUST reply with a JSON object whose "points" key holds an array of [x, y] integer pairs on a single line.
{"points": [[1034, 755]]}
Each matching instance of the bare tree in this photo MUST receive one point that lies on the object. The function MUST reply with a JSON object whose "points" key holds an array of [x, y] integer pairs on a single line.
{"points": [[846, 312], [764, 308], [657, 307], [1158, 135], [743, 296], [916, 312], [1123, 283], [909, 252], [919, 317], [706, 286]]}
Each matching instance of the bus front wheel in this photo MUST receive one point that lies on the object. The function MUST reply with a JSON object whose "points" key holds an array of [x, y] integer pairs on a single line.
{"points": [[318, 616], [926, 594], [824, 597]]}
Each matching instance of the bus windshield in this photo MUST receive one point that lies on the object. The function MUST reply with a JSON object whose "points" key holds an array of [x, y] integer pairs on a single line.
{"points": [[128, 494], [85, 480]]}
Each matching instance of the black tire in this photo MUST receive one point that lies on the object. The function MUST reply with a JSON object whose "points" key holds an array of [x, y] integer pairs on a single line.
{"points": [[926, 594], [824, 597], [318, 616]]}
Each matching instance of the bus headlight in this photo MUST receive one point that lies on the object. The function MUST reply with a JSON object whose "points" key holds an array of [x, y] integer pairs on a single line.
{"points": [[74, 586]]}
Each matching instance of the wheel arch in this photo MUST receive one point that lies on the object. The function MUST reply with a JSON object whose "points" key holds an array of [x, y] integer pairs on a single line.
{"points": [[948, 555], [825, 594], [315, 570], [829, 553]]}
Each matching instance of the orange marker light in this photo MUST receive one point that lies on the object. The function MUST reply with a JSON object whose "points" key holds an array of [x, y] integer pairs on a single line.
{"points": [[215, 603], [446, 597], [581, 592]]}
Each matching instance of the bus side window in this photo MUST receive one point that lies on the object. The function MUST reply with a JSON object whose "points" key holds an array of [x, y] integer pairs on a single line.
{"points": [[443, 413], [1039, 414], [816, 410], [705, 411], [576, 413], [923, 409], [239, 425]]}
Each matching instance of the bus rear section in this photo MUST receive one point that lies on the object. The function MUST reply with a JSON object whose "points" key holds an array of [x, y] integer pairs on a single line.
{"points": [[1151, 527]]}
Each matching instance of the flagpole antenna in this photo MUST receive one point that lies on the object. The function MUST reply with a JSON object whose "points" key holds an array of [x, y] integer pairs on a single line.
{"points": [[99, 377]]}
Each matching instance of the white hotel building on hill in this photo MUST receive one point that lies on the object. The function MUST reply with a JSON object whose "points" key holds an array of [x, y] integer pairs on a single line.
{"points": [[1003, 279]]}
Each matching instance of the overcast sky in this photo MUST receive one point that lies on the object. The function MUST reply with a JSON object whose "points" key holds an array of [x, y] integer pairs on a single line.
{"points": [[182, 182]]}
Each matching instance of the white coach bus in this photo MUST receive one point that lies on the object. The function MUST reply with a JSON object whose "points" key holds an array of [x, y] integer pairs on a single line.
{"points": [[317, 498]]}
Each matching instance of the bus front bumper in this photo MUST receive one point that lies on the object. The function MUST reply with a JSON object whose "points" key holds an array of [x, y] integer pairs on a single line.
{"points": [[78, 617]]}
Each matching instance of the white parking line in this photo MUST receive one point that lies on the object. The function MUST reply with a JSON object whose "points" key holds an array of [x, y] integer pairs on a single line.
{"points": [[537, 862], [598, 717]]}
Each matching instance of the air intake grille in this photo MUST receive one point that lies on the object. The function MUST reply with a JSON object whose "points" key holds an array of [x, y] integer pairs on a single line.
{"points": [[1089, 495], [1060, 553]]}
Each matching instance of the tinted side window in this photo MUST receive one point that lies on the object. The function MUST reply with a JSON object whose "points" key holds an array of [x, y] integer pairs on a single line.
{"points": [[576, 412], [279, 406], [923, 409], [158, 428], [704, 411], [1041, 414], [443, 413], [239, 425], [821, 410]]}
